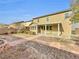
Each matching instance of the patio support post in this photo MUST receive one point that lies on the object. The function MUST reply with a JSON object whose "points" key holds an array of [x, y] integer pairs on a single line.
{"points": [[45, 29], [29, 27], [58, 29], [36, 29]]}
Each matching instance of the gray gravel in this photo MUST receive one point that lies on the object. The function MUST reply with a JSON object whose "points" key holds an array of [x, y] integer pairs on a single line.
{"points": [[34, 50], [51, 52], [10, 38]]}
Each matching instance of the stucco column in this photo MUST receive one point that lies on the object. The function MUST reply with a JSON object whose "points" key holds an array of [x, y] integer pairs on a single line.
{"points": [[58, 29], [30, 28], [36, 29], [45, 29]]}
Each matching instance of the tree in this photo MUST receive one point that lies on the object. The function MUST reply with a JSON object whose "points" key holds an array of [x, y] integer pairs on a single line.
{"points": [[75, 9]]}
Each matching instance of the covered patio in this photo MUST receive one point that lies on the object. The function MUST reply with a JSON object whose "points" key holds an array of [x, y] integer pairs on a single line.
{"points": [[50, 29]]}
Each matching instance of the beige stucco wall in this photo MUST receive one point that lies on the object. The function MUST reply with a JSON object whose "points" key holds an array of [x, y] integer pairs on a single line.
{"points": [[57, 18], [52, 19], [67, 28]]}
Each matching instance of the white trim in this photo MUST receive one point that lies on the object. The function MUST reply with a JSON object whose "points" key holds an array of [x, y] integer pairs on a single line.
{"points": [[36, 29], [58, 29]]}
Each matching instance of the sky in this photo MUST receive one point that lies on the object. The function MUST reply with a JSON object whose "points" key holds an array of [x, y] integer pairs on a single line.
{"points": [[24, 10]]}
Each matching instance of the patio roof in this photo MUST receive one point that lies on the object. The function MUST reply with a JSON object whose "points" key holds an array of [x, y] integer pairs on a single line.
{"points": [[33, 24]]}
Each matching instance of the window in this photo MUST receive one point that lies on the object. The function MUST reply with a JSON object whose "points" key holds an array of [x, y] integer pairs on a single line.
{"points": [[66, 15], [33, 27], [49, 27], [43, 27], [38, 20], [47, 20]]}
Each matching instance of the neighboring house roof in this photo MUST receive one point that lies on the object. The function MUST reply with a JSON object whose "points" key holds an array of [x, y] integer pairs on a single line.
{"points": [[15, 24], [52, 14], [18, 22], [33, 24], [26, 23]]}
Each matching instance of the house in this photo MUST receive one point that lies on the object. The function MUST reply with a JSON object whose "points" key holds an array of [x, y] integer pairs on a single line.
{"points": [[56, 24], [26, 25], [22, 26], [16, 25]]}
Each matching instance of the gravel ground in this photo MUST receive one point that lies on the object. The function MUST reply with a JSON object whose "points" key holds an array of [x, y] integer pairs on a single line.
{"points": [[76, 39], [47, 52], [54, 39], [1, 42], [10, 38], [47, 39], [34, 50]]}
